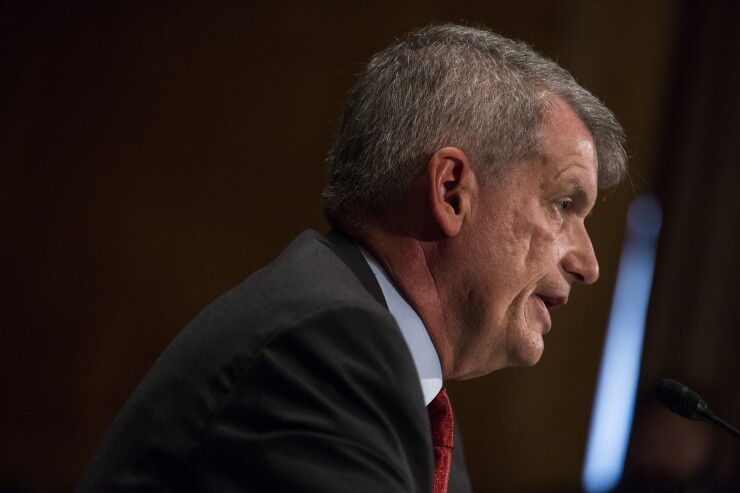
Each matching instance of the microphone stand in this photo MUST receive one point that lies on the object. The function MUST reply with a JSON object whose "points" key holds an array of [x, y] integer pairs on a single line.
{"points": [[709, 417]]}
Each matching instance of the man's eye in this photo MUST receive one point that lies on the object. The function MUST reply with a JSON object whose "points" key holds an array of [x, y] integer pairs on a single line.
{"points": [[563, 205]]}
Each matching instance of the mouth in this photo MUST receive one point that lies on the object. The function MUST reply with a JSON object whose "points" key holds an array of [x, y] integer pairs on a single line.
{"points": [[552, 302]]}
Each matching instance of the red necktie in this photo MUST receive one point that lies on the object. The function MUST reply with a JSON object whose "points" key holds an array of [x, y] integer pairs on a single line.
{"points": [[440, 417]]}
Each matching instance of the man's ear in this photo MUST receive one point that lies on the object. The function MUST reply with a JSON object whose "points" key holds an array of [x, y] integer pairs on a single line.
{"points": [[450, 183]]}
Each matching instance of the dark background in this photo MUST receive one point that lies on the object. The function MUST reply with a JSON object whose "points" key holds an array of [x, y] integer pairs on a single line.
{"points": [[154, 153]]}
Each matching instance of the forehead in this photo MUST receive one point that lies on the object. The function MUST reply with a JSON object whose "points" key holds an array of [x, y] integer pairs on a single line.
{"points": [[567, 149], [565, 165]]}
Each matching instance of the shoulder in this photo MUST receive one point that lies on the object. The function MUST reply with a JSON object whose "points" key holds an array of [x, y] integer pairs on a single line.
{"points": [[331, 400], [305, 282], [301, 341], [317, 368], [306, 275]]}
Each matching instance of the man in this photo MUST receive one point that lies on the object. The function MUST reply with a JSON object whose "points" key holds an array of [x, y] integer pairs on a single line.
{"points": [[463, 171]]}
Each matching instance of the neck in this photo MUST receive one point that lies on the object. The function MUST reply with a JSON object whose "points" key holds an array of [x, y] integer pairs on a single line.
{"points": [[407, 261]]}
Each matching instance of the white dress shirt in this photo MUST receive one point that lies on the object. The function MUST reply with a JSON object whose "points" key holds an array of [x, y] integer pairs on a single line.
{"points": [[417, 339]]}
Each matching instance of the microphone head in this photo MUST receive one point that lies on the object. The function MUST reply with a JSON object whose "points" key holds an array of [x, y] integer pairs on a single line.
{"points": [[679, 398]]}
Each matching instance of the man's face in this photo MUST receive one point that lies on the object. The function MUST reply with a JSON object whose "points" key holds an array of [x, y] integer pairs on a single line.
{"points": [[525, 246]]}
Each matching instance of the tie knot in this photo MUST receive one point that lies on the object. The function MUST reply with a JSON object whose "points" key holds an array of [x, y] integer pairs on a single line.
{"points": [[441, 420]]}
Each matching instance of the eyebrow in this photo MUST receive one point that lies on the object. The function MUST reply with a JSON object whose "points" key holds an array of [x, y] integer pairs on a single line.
{"points": [[579, 194]]}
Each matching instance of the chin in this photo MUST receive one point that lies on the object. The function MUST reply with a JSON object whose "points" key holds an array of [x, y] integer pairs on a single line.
{"points": [[527, 353]]}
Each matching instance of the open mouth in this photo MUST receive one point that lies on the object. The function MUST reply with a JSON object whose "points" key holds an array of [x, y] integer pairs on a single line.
{"points": [[551, 302]]}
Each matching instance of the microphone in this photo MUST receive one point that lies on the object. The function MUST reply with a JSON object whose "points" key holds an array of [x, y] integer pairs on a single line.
{"points": [[685, 402]]}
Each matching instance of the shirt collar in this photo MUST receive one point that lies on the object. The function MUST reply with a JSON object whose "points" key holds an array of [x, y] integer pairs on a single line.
{"points": [[414, 333]]}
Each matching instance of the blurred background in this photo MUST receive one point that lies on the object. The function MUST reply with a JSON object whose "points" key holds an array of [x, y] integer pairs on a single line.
{"points": [[155, 153]]}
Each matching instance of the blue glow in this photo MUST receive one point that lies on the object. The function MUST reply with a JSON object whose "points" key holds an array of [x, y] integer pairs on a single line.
{"points": [[611, 418]]}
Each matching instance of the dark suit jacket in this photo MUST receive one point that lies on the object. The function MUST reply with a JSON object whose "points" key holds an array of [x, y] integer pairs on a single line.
{"points": [[296, 380]]}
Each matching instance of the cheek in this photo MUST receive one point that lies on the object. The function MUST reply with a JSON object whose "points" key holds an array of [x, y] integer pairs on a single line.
{"points": [[514, 236], [543, 247]]}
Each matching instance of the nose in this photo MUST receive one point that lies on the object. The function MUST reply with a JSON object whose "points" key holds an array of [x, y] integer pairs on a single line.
{"points": [[580, 261]]}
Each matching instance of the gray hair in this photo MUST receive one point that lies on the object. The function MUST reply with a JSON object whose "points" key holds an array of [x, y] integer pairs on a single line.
{"points": [[450, 85]]}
